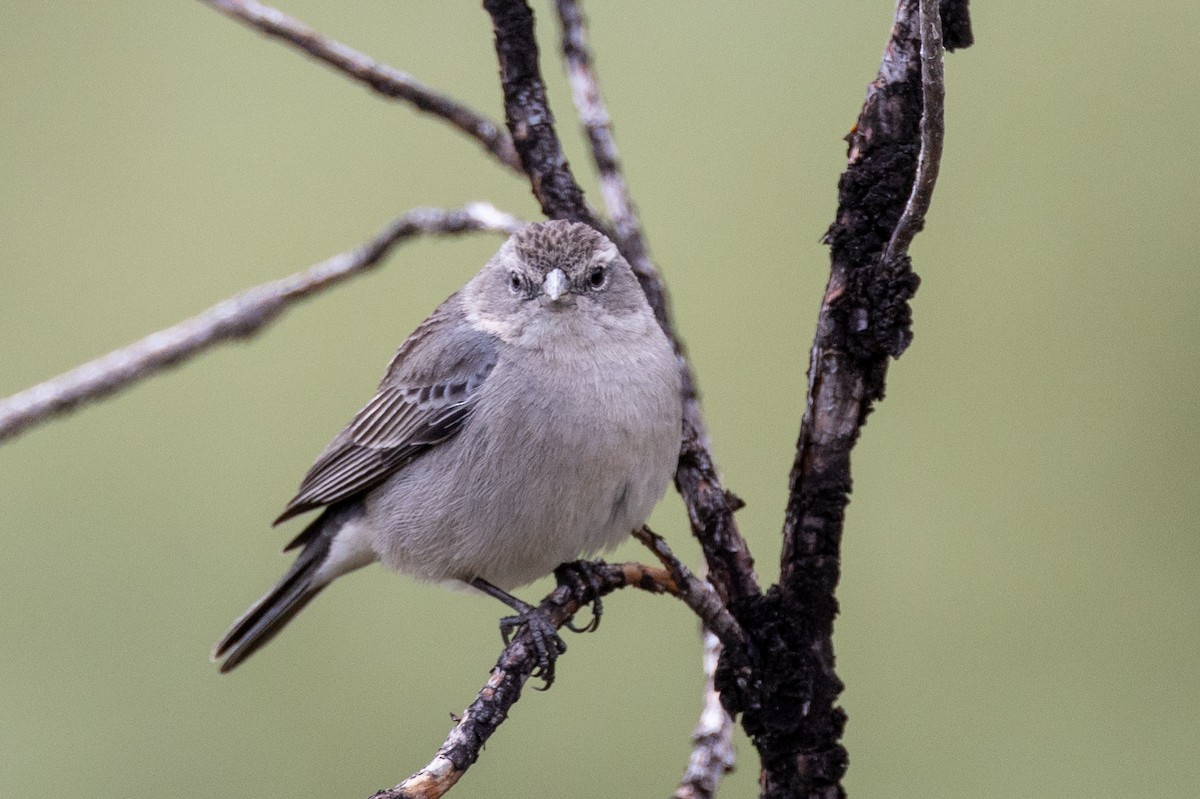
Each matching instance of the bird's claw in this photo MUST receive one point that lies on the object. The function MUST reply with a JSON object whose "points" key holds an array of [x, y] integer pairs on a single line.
{"points": [[547, 643], [583, 576]]}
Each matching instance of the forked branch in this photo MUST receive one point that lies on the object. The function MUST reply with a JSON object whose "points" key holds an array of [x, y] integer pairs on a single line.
{"points": [[695, 593], [864, 321]]}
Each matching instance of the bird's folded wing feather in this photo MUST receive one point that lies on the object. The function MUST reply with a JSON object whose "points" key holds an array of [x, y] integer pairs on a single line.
{"points": [[427, 395]]}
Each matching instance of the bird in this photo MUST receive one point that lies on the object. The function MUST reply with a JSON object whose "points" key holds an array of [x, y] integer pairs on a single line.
{"points": [[533, 418]]}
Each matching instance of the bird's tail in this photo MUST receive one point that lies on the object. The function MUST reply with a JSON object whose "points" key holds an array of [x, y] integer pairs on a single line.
{"points": [[329, 551]]}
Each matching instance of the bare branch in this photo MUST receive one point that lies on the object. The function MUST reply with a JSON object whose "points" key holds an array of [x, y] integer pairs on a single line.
{"points": [[385, 80], [864, 320], [503, 688], [528, 115], [710, 511], [933, 130], [864, 317], [237, 317], [712, 741], [695, 593]]}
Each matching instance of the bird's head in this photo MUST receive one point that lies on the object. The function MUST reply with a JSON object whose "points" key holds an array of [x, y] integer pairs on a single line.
{"points": [[551, 274]]}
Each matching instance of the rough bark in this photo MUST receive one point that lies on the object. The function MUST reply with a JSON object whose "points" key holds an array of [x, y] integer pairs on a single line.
{"points": [[787, 689]]}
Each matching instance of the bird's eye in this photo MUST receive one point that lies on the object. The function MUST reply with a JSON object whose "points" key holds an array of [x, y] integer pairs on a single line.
{"points": [[596, 277], [514, 282]]}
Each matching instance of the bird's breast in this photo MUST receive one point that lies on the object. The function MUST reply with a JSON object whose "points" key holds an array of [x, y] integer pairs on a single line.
{"points": [[568, 448]]}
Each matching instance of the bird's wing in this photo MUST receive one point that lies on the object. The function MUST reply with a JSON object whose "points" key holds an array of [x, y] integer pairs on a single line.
{"points": [[427, 395]]}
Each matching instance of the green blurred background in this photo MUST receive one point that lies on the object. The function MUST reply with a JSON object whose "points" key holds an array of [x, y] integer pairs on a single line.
{"points": [[1019, 603]]}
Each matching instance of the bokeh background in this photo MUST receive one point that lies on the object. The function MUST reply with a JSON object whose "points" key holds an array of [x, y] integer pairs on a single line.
{"points": [[1019, 600]]}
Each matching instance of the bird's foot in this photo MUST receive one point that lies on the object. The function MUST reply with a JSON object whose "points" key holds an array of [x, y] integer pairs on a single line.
{"points": [[583, 577], [547, 643]]}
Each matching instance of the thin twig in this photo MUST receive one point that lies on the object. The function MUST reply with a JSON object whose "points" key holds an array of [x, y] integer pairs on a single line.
{"points": [[695, 593], [503, 688], [527, 113], [237, 317], [933, 130], [597, 126], [712, 741], [386, 80]]}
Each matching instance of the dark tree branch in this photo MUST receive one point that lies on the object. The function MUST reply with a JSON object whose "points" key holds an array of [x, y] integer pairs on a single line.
{"points": [[789, 704], [528, 115], [956, 25], [503, 688], [710, 511], [388, 81], [235, 318], [713, 745]]}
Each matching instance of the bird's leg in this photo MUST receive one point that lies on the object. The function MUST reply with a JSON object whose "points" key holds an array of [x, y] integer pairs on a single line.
{"points": [[583, 576], [547, 643]]}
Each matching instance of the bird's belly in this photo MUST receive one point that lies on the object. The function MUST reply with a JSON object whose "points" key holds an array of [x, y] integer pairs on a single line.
{"points": [[531, 484]]}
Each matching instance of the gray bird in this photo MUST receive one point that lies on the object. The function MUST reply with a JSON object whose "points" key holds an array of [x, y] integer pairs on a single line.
{"points": [[534, 417]]}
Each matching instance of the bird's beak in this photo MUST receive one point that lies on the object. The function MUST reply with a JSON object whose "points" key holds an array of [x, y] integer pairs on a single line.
{"points": [[555, 284]]}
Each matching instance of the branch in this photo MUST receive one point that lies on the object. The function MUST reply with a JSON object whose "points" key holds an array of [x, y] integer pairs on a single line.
{"points": [[712, 740], [238, 317], [527, 112], [865, 317], [933, 130], [385, 80], [503, 688], [864, 320], [695, 593]]}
